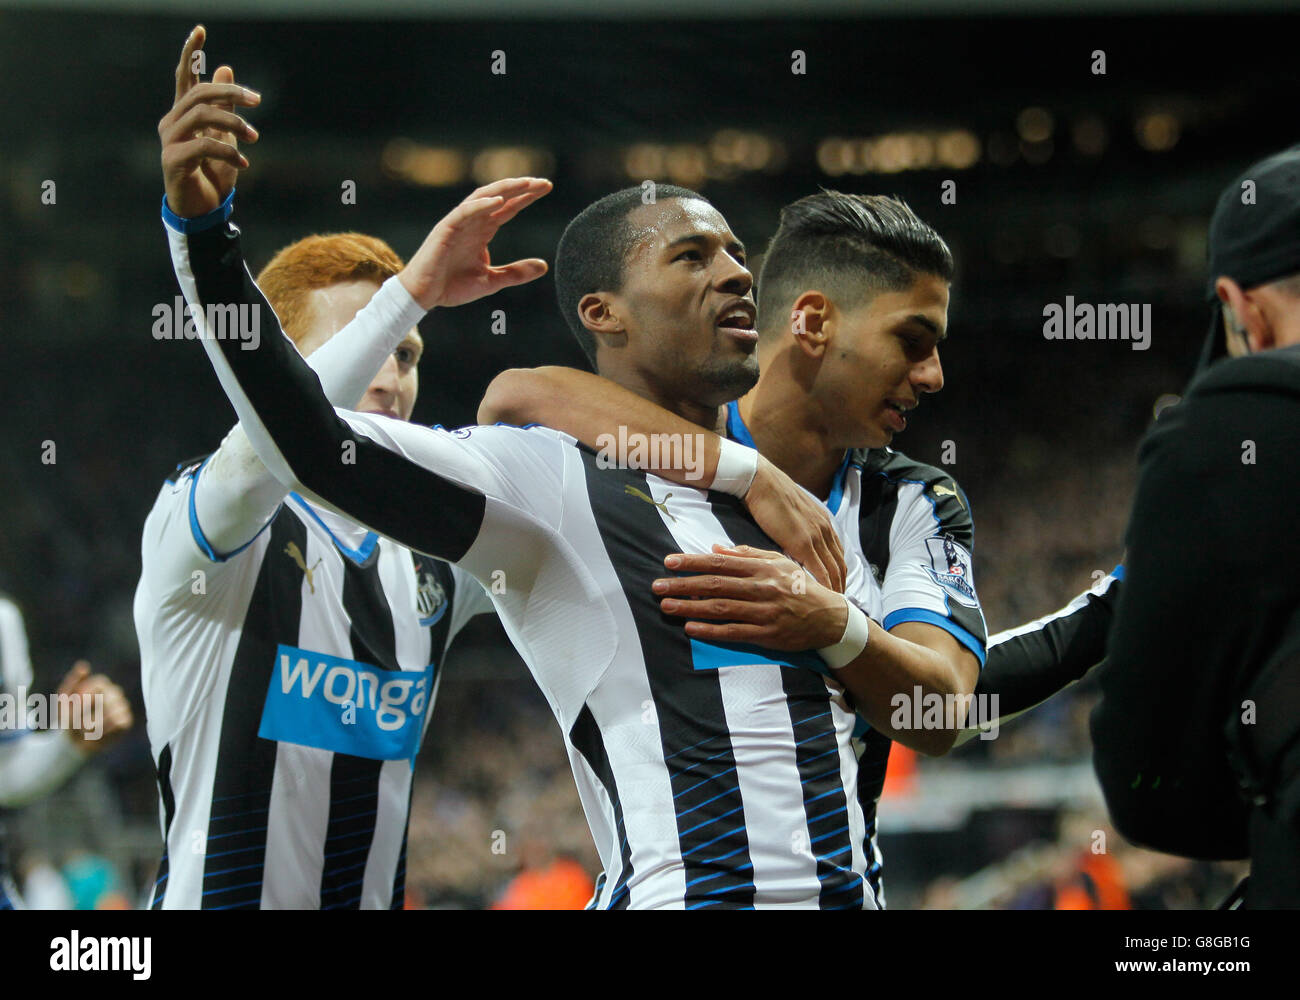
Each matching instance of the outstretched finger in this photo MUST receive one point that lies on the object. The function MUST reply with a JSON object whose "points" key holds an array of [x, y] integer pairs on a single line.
{"points": [[472, 211], [516, 205], [509, 187], [518, 273], [185, 75], [729, 632], [747, 552], [185, 156], [206, 119]]}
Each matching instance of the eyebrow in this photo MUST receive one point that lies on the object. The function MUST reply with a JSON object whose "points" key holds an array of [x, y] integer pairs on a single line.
{"points": [[928, 323], [735, 244]]}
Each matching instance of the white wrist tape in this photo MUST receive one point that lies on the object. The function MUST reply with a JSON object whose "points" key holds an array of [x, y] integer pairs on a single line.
{"points": [[737, 466], [852, 642]]}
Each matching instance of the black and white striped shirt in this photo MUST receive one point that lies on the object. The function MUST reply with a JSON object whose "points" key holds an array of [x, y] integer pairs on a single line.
{"points": [[288, 686], [711, 776], [908, 538]]}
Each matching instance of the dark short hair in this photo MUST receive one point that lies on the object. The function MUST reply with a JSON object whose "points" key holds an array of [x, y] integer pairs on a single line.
{"points": [[851, 246], [594, 248]]}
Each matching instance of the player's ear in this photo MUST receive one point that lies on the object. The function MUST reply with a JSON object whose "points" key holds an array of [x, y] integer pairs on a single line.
{"points": [[598, 313], [1247, 323], [809, 323]]}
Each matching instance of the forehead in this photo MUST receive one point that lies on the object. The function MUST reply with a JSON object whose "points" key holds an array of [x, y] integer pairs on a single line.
{"points": [[927, 296], [655, 226], [343, 298]]}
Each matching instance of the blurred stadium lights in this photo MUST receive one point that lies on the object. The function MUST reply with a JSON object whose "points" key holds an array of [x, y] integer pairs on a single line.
{"points": [[443, 166], [496, 162], [895, 152], [1090, 135], [432, 166], [730, 152], [1157, 131], [1035, 125]]}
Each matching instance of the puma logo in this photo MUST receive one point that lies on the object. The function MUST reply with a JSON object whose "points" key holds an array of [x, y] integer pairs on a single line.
{"points": [[941, 490], [663, 506], [295, 553]]}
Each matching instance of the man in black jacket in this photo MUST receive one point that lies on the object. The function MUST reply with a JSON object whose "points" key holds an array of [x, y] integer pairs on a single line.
{"points": [[1197, 735]]}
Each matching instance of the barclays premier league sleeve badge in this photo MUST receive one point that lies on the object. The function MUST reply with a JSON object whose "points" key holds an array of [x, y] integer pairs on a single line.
{"points": [[950, 565]]}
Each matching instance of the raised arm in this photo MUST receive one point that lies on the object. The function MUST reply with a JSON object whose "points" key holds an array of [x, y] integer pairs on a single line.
{"points": [[235, 494], [616, 422], [290, 423]]}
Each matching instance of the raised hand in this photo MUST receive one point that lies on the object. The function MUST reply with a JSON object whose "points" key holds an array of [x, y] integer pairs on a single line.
{"points": [[200, 152], [453, 265]]}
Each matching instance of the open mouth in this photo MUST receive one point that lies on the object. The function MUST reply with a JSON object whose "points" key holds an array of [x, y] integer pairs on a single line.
{"points": [[897, 414], [738, 321]]}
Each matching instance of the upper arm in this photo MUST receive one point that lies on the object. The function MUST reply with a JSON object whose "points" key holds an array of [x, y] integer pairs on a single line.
{"points": [[1030, 663], [929, 578], [429, 488]]}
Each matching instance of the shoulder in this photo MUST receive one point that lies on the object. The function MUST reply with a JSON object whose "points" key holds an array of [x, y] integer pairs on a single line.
{"points": [[183, 468], [930, 483], [1253, 399], [1267, 371]]}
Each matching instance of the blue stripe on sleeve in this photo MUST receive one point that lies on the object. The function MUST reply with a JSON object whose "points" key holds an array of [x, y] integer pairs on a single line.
{"points": [[947, 624], [200, 539]]}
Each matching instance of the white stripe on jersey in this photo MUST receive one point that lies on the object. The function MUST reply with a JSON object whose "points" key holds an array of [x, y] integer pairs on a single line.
{"points": [[763, 741]]}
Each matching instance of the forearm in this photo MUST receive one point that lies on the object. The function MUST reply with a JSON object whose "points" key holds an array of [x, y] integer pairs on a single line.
{"points": [[895, 681], [1029, 664], [236, 494], [34, 764], [607, 418], [295, 431]]}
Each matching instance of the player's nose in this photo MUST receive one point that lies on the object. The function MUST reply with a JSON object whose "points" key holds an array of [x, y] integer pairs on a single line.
{"points": [[387, 383], [927, 376], [733, 277]]}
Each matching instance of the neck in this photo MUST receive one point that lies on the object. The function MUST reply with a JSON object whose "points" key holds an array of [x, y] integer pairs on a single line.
{"points": [[711, 418], [789, 429]]}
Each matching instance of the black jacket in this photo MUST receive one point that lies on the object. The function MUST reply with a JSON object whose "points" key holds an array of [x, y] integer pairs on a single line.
{"points": [[1197, 735]]}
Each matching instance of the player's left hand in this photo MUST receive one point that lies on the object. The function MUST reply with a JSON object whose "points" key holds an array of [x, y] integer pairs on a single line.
{"points": [[105, 711], [453, 265], [753, 596]]}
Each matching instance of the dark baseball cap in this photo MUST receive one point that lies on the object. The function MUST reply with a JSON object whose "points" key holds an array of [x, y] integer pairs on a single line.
{"points": [[1254, 233]]}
